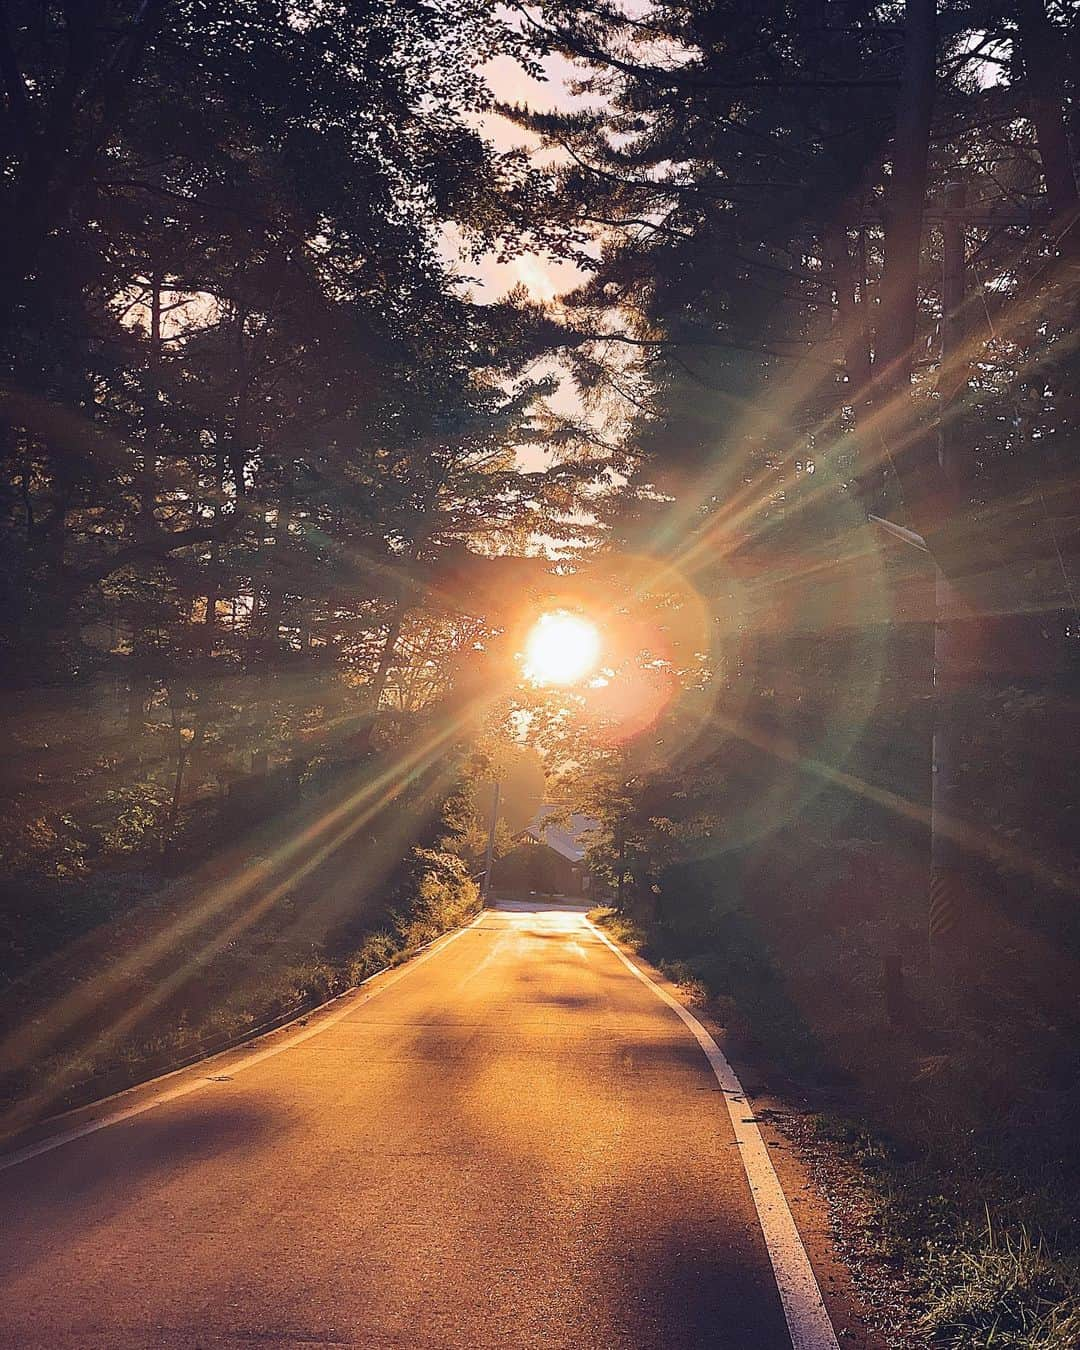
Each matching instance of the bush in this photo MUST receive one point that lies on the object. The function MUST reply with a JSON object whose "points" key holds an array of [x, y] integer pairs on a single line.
{"points": [[438, 895], [377, 952], [289, 958]]}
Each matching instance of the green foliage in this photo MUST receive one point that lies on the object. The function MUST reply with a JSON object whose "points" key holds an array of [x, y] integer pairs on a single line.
{"points": [[135, 815], [438, 893], [257, 442], [305, 942]]}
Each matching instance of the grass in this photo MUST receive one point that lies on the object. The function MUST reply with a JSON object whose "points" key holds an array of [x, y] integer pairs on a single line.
{"points": [[621, 927], [1005, 1291]]}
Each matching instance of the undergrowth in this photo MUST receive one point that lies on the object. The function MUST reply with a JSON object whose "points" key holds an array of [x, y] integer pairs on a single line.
{"points": [[258, 980]]}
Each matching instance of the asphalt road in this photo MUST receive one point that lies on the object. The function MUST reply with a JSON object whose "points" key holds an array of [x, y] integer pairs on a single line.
{"points": [[515, 1145]]}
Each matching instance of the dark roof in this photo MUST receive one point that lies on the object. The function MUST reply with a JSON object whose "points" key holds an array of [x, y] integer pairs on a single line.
{"points": [[569, 840]]}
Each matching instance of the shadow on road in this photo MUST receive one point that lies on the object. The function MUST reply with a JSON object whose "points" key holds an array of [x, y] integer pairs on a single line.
{"points": [[53, 1199]]}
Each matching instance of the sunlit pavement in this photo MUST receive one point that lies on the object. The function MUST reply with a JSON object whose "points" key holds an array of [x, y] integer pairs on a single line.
{"points": [[516, 1144]]}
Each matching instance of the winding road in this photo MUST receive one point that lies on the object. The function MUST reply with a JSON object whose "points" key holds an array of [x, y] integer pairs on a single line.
{"points": [[512, 1141]]}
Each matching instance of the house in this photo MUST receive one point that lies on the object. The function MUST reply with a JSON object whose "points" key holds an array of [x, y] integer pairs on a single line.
{"points": [[549, 857]]}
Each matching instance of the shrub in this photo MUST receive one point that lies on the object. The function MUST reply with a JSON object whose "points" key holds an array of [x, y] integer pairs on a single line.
{"points": [[439, 894]]}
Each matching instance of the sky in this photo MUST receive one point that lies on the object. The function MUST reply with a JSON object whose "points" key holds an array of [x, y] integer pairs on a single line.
{"points": [[545, 278]]}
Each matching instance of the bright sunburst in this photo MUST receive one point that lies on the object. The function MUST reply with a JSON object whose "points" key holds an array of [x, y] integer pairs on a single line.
{"points": [[561, 648]]}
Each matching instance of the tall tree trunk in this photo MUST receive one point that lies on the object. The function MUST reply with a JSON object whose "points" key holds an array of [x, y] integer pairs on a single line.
{"points": [[852, 336], [213, 566], [387, 656], [373, 695], [902, 445], [1043, 54], [145, 525], [266, 626], [201, 755], [620, 853], [181, 752], [274, 606], [905, 199]]}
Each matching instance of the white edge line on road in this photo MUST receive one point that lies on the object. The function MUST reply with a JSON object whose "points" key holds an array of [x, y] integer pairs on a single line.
{"points": [[808, 1321], [350, 1005]]}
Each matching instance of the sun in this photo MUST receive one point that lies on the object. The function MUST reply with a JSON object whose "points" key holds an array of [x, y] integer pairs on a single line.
{"points": [[561, 648]]}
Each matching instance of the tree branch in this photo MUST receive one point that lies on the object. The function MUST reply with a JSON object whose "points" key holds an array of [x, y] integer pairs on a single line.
{"points": [[680, 76], [732, 344], [156, 546]]}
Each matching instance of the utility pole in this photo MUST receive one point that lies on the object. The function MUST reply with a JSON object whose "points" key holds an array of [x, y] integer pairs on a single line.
{"points": [[489, 857]]}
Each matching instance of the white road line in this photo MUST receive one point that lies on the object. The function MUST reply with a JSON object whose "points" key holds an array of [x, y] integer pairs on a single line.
{"points": [[808, 1322], [350, 1006]]}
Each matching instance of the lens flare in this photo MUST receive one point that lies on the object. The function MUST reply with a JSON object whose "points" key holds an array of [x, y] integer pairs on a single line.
{"points": [[561, 648]]}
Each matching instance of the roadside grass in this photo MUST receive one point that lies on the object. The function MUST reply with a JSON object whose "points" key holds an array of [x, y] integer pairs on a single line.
{"points": [[627, 930], [971, 1206], [1009, 1278], [621, 926], [1003, 1291]]}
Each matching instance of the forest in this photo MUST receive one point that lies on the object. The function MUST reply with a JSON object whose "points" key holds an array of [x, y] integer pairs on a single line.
{"points": [[285, 478]]}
